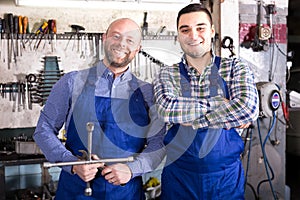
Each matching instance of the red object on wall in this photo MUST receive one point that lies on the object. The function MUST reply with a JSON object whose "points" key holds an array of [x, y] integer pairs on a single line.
{"points": [[248, 30]]}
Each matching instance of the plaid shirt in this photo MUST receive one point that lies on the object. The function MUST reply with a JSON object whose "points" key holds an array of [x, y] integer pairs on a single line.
{"points": [[201, 110]]}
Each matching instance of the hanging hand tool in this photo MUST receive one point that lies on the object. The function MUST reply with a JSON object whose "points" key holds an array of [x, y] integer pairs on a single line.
{"points": [[145, 25], [12, 53], [83, 47], [146, 69], [94, 45], [25, 25], [1, 38], [19, 96], [14, 93], [138, 66], [4, 46], [160, 30], [75, 30], [52, 32], [40, 32], [227, 42], [21, 32], [16, 32], [30, 80]]}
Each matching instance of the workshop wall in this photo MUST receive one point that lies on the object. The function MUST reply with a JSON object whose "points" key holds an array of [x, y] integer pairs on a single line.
{"points": [[69, 52], [93, 20], [268, 62], [266, 53]]}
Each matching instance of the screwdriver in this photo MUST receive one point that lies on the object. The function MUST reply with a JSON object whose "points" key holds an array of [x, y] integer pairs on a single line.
{"points": [[16, 32], [10, 20], [3, 31], [52, 32], [54, 26], [26, 29], [1, 37], [25, 25], [20, 24], [41, 29], [21, 31]]}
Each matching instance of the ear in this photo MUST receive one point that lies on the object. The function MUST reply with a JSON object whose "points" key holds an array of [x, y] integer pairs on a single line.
{"points": [[138, 48], [104, 36], [213, 31]]}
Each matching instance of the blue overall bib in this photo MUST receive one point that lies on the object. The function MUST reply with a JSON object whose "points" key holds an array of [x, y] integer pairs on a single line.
{"points": [[109, 139], [203, 164]]}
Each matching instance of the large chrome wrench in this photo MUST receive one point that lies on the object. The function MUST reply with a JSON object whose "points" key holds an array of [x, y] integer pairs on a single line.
{"points": [[90, 129]]}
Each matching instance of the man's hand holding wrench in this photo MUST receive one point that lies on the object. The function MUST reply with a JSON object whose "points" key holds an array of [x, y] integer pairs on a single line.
{"points": [[89, 171], [117, 174], [87, 167]]}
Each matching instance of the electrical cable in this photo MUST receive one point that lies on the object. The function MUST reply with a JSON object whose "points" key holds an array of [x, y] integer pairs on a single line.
{"points": [[249, 133], [276, 44], [266, 162], [253, 190], [275, 139], [248, 157]]}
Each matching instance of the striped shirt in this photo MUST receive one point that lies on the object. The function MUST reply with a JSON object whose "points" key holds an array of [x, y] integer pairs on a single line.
{"points": [[200, 109]]}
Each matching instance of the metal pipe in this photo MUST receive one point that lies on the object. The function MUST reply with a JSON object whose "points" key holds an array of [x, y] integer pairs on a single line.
{"points": [[85, 162]]}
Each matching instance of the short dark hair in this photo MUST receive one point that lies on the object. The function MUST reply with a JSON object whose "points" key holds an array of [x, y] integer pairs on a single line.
{"points": [[194, 7]]}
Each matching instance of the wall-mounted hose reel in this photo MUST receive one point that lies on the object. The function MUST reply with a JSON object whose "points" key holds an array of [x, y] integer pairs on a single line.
{"points": [[269, 98]]}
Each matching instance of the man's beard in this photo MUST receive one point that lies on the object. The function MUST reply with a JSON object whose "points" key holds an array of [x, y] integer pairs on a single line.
{"points": [[117, 64]]}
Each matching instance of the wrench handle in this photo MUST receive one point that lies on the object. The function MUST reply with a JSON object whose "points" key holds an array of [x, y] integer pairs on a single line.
{"points": [[90, 128], [88, 189]]}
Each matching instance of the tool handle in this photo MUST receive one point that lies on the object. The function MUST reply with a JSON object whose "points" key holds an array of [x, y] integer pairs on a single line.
{"points": [[10, 21], [90, 129], [42, 28], [1, 27], [25, 25], [16, 25], [50, 26], [77, 28], [54, 26], [20, 25], [88, 190], [145, 17]]}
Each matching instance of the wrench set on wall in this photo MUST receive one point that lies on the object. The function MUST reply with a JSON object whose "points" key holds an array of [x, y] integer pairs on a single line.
{"points": [[145, 66], [33, 88], [40, 84]]}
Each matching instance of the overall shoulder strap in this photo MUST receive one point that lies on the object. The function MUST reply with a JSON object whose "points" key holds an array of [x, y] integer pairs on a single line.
{"points": [[184, 80], [216, 80]]}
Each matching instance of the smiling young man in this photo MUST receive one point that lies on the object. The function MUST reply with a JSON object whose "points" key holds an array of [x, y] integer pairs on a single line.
{"points": [[203, 99], [124, 116]]}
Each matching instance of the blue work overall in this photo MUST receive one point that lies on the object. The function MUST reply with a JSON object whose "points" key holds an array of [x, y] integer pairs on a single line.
{"points": [[109, 140], [203, 164]]}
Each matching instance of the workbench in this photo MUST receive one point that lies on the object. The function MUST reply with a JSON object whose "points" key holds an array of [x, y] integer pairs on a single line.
{"points": [[13, 159]]}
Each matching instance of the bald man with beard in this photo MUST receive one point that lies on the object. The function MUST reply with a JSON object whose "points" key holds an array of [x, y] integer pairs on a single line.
{"points": [[123, 112]]}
